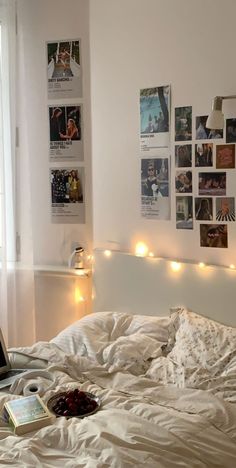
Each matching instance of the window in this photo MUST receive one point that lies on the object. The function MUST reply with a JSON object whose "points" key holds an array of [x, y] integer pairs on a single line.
{"points": [[7, 129]]}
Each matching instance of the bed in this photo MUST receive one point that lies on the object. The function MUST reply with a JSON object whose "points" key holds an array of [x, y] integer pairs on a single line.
{"points": [[167, 383]]}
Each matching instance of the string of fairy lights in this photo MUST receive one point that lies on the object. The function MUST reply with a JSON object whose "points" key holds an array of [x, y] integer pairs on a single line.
{"points": [[142, 250]]}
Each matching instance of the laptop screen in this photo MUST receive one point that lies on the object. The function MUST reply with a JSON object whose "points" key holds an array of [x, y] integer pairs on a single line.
{"points": [[2, 357]]}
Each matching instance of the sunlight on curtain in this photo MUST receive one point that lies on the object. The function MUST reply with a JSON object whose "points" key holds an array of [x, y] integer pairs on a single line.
{"points": [[7, 150]]}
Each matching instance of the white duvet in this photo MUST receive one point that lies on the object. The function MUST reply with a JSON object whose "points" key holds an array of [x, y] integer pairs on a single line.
{"points": [[141, 421]]}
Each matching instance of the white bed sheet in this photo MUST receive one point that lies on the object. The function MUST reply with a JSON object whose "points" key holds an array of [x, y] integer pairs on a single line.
{"points": [[143, 419]]}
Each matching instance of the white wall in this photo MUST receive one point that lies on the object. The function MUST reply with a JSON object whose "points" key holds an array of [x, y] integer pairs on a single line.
{"points": [[46, 304], [133, 44], [38, 22], [136, 44]]}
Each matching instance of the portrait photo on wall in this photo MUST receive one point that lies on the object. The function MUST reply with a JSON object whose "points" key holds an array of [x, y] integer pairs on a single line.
{"points": [[214, 235], [204, 133], [231, 130], [212, 183], [204, 155], [203, 209], [64, 69], [183, 123], [184, 212], [65, 132], [183, 182], [155, 199], [183, 155], [225, 156], [154, 117], [225, 209]]}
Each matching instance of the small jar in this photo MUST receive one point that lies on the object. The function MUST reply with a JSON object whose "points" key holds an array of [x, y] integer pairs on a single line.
{"points": [[79, 258]]}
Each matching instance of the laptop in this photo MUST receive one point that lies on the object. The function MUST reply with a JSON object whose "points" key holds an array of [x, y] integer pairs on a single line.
{"points": [[7, 374]]}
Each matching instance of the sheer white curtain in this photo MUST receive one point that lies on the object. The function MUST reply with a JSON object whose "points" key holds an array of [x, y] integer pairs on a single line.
{"points": [[7, 168]]}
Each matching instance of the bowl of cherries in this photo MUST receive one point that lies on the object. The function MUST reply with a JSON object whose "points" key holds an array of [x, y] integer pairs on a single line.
{"points": [[74, 403]]}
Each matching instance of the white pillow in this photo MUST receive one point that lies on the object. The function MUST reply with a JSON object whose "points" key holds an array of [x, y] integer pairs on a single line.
{"points": [[198, 341], [93, 333]]}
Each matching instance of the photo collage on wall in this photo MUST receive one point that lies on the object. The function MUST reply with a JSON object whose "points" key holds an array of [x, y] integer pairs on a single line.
{"points": [[65, 131], [204, 157], [155, 150]]}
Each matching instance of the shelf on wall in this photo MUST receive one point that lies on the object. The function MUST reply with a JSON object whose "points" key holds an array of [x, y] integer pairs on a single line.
{"points": [[58, 270]]}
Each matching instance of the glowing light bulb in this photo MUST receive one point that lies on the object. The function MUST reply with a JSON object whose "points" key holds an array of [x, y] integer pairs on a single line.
{"points": [[77, 296], [107, 253], [201, 265], [81, 272], [151, 254], [232, 267], [141, 249], [176, 266]]}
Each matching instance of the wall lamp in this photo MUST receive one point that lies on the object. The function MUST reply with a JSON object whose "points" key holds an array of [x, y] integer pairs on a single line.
{"points": [[215, 120]]}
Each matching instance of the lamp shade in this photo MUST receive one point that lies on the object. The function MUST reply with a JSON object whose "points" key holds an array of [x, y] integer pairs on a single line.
{"points": [[215, 120]]}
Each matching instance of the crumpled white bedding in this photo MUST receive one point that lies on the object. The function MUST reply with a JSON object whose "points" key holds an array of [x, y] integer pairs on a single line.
{"points": [[147, 418]]}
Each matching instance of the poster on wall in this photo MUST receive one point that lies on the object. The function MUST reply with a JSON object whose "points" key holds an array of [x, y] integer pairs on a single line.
{"points": [[203, 209], [225, 156], [65, 132], [212, 183], [230, 130], [67, 195], [204, 155], [154, 118], [225, 209], [64, 71], [214, 235], [184, 212], [183, 155], [204, 133], [183, 123], [155, 188], [183, 181]]}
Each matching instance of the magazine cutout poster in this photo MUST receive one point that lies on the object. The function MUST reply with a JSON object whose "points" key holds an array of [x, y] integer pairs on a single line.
{"points": [[67, 195], [154, 118], [64, 72], [155, 188], [65, 132]]}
